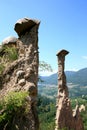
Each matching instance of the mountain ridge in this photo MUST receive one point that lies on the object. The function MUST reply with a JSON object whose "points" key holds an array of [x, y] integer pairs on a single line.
{"points": [[76, 77]]}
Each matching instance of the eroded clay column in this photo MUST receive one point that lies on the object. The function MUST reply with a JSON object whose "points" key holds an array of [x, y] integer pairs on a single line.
{"points": [[62, 88], [27, 30], [62, 99], [64, 113]]}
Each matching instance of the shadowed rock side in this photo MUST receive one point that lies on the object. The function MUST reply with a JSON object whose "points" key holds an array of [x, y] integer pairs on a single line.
{"points": [[22, 74], [65, 117]]}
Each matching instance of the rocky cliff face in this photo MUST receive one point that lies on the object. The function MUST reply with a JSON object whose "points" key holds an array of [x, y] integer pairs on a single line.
{"points": [[65, 116], [22, 74]]}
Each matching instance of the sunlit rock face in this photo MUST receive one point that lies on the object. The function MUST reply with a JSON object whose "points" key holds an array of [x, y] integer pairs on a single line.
{"points": [[65, 116], [22, 74], [9, 40]]}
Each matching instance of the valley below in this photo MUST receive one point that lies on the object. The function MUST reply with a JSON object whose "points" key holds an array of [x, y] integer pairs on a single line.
{"points": [[76, 82], [47, 96]]}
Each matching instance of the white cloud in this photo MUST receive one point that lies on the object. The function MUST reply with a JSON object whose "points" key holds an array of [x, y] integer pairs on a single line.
{"points": [[84, 57]]}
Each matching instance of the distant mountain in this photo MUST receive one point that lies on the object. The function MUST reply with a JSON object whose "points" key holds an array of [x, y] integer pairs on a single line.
{"points": [[78, 77], [52, 79]]}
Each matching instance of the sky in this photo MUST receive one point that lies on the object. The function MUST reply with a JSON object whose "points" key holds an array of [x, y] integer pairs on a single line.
{"points": [[63, 26]]}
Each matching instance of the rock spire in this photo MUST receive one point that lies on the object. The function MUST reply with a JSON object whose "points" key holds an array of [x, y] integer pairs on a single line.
{"points": [[64, 113], [22, 74]]}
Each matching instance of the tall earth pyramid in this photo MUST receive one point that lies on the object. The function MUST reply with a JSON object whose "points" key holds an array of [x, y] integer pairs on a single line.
{"points": [[22, 74], [65, 117]]}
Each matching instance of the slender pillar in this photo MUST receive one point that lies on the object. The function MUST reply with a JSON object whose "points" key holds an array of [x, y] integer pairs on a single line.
{"points": [[64, 113], [62, 88]]}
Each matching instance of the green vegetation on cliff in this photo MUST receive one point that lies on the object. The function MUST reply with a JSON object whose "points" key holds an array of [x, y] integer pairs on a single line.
{"points": [[7, 55], [11, 105]]}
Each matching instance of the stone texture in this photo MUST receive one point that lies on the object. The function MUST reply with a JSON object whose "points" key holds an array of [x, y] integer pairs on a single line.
{"points": [[22, 82], [65, 117], [82, 108], [23, 73], [20, 73]]}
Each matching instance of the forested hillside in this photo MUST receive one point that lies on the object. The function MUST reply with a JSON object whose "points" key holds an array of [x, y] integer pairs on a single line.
{"points": [[47, 108]]}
